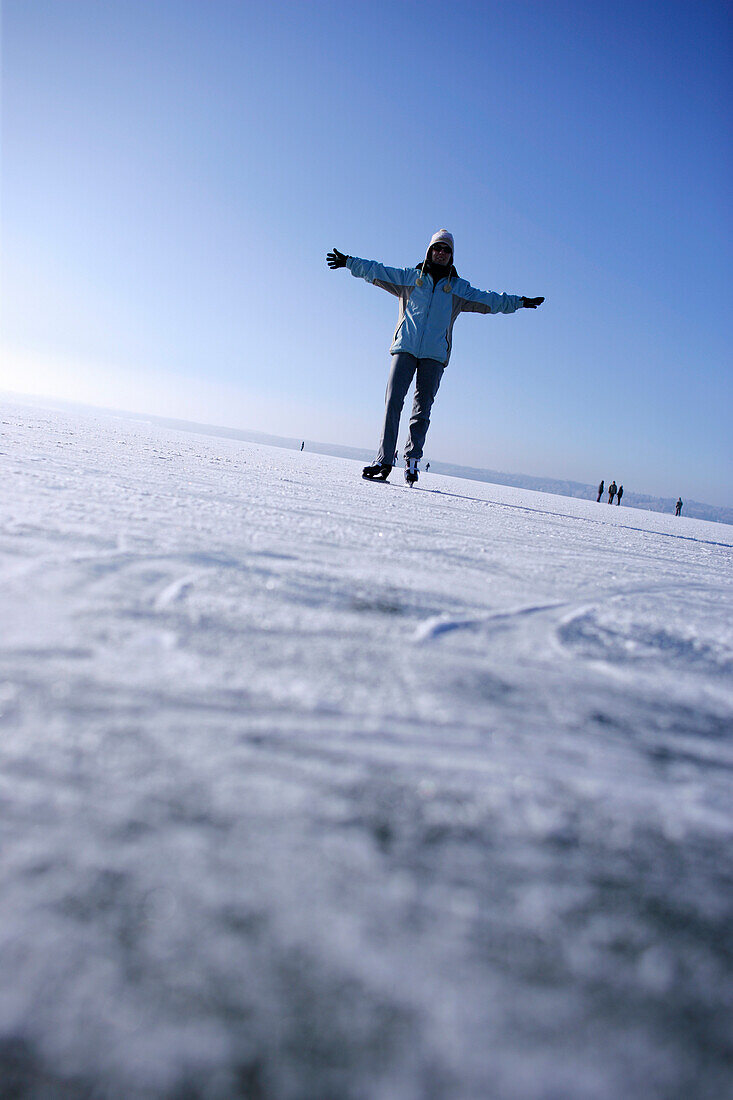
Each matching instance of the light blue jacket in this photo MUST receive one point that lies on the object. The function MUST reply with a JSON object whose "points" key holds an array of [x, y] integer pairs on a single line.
{"points": [[428, 311]]}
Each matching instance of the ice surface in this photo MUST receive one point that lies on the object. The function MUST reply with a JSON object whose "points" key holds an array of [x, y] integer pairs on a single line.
{"points": [[311, 788]]}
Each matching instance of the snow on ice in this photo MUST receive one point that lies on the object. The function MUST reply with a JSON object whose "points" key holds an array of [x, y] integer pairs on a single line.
{"points": [[312, 789]]}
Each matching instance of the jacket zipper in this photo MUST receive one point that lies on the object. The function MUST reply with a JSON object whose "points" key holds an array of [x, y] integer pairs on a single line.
{"points": [[427, 318]]}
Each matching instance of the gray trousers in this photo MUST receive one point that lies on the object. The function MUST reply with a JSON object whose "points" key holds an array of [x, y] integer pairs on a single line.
{"points": [[429, 373]]}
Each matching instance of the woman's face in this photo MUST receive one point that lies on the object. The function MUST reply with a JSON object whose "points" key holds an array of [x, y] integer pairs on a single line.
{"points": [[441, 254]]}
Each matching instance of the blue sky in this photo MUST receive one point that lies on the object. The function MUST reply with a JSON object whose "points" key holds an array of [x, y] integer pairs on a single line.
{"points": [[174, 173]]}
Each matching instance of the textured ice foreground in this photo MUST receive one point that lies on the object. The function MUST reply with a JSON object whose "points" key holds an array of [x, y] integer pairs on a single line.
{"points": [[318, 790]]}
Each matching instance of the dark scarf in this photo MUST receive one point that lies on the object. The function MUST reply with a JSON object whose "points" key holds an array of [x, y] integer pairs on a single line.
{"points": [[438, 271]]}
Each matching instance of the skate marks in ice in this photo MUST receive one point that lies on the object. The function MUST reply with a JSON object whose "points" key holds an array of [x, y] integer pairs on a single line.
{"points": [[669, 655], [640, 639], [649, 665], [603, 519], [625, 627], [205, 633], [259, 840], [444, 624], [664, 629]]}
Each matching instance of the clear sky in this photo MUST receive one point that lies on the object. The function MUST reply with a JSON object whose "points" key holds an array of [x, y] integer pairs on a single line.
{"points": [[175, 171]]}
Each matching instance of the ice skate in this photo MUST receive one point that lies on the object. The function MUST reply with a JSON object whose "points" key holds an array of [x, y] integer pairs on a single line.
{"points": [[411, 471], [378, 471]]}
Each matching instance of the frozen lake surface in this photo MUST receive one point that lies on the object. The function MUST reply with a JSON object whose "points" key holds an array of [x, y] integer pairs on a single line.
{"points": [[312, 789]]}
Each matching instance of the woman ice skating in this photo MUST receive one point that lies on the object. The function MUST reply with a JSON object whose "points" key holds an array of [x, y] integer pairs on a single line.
{"points": [[431, 296]]}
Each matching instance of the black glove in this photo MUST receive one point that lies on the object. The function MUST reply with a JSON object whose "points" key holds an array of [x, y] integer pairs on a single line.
{"points": [[532, 303], [336, 259]]}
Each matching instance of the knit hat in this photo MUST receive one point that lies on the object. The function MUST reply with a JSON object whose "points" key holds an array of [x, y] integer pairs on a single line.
{"points": [[441, 237]]}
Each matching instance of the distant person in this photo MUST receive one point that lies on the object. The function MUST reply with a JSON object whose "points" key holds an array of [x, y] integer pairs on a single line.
{"points": [[601, 487], [678, 507], [619, 494], [302, 445], [431, 296], [427, 467], [611, 492]]}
